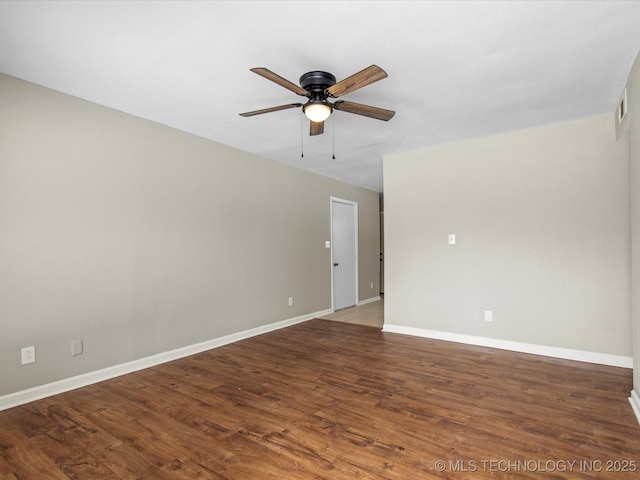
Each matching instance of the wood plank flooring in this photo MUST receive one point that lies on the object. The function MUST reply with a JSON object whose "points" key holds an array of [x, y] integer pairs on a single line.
{"points": [[371, 314], [330, 400]]}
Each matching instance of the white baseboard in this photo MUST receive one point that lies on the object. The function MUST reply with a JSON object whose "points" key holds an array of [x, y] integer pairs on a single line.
{"points": [[369, 300], [634, 400], [565, 353], [42, 391]]}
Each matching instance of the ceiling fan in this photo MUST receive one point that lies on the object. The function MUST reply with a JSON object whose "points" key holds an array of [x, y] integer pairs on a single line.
{"points": [[318, 87]]}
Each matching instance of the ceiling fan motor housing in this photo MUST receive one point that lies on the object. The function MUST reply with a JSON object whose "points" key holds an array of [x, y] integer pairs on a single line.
{"points": [[316, 83]]}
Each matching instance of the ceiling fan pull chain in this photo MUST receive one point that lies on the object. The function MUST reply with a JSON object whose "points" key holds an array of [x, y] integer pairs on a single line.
{"points": [[333, 133], [301, 135]]}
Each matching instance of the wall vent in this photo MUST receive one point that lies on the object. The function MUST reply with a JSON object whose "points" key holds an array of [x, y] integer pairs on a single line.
{"points": [[622, 107]]}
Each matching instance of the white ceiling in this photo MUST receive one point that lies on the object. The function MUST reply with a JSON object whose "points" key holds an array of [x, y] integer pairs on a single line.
{"points": [[457, 70]]}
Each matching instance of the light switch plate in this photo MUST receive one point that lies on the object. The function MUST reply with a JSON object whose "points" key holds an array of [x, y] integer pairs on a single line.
{"points": [[452, 239]]}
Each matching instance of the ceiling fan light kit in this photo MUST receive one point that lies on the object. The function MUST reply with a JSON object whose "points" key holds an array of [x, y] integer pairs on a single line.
{"points": [[317, 111], [318, 87]]}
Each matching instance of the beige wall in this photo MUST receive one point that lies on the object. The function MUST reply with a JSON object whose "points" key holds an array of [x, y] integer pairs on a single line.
{"points": [[543, 237], [633, 123], [138, 238]]}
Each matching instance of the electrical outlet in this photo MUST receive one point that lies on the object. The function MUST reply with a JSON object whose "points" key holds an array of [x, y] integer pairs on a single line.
{"points": [[28, 355], [371, 284], [488, 316], [291, 301]]}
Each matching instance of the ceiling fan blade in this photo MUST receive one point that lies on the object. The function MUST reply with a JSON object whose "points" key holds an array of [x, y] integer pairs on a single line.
{"points": [[316, 128], [366, 110], [269, 110], [274, 77], [357, 80]]}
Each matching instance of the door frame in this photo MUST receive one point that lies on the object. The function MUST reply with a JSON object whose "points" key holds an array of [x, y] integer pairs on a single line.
{"points": [[333, 199]]}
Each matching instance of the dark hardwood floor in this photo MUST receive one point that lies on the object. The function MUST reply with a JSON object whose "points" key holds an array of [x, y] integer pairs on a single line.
{"points": [[328, 400]]}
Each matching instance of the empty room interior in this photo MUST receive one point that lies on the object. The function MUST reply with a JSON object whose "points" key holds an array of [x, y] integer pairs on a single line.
{"points": [[319, 240]]}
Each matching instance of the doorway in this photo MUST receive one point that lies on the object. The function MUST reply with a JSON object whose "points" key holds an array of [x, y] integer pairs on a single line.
{"points": [[344, 253]]}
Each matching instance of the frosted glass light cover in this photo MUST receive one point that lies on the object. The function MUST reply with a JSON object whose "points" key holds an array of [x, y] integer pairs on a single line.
{"points": [[317, 112]]}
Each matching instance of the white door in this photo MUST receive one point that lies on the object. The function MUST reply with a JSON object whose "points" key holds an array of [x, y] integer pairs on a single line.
{"points": [[344, 253]]}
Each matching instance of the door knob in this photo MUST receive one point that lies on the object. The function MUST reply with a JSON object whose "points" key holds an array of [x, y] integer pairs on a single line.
{"points": [[335, 264]]}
